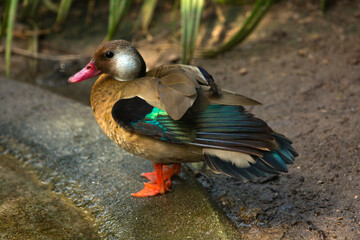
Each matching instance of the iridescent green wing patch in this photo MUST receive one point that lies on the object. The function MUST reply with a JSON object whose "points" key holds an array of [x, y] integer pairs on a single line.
{"points": [[138, 116]]}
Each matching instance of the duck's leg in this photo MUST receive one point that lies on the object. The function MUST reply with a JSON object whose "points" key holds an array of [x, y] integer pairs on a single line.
{"points": [[175, 169], [160, 180], [168, 172], [153, 188]]}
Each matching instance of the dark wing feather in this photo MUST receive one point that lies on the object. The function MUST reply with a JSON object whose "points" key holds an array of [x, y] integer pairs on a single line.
{"points": [[138, 116], [125, 111], [232, 128]]}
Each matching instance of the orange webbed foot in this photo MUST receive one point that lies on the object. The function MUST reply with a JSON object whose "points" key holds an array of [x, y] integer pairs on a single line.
{"points": [[152, 175], [150, 189], [160, 180], [167, 172]]}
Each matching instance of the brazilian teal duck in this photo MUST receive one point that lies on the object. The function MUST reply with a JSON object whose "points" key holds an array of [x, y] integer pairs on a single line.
{"points": [[177, 114]]}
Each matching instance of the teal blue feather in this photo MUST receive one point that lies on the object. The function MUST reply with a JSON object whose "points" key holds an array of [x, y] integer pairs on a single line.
{"points": [[274, 159]]}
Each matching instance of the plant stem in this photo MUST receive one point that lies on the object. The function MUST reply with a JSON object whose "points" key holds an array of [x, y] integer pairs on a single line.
{"points": [[260, 9], [117, 11], [63, 11], [5, 19], [190, 21], [9, 35]]}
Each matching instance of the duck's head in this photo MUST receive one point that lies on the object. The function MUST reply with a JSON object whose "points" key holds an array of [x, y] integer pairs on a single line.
{"points": [[117, 58]]}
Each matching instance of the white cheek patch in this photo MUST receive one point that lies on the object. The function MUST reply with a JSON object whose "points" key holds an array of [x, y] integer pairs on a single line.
{"points": [[125, 63], [240, 160]]}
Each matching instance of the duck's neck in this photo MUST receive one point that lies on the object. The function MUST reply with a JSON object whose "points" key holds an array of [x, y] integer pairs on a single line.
{"points": [[104, 94]]}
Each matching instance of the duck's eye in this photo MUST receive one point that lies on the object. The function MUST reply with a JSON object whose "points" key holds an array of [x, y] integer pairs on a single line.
{"points": [[109, 54]]}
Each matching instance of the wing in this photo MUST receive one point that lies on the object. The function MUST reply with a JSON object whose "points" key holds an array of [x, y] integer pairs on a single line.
{"points": [[136, 115], [184, 106], [234, 142], [232, 128], [177, 87], [220, 127]]}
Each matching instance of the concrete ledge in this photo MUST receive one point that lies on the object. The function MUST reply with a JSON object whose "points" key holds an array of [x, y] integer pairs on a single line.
{"points": [[61, 139]]}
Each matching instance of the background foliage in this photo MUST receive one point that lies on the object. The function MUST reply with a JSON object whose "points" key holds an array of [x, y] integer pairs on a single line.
{"points": [[187, 12]]}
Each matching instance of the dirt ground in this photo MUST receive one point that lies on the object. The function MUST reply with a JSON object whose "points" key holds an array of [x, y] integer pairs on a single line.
{"points": [[305, 68]]}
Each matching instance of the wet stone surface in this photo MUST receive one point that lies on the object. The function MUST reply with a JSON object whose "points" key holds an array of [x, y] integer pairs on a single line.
{"points": [[62, 142], [29, 210]]}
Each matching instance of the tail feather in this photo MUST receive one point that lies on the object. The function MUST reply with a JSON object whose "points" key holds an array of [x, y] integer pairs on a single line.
{"points": [[262, 166], [286, 143], [272, 162], [286, 156], [256, 172], [220, 166]]}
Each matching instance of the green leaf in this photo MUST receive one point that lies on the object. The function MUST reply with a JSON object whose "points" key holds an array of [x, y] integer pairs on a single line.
{"points": [[5, 19], [29, 8], [145, 16], [118, 9], [50, 5], [235, 2], [323, 6], [9, 35], [260, 9], [63, 11], [190, 21]]}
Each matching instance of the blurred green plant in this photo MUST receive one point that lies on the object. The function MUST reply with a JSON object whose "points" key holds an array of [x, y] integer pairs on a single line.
{"points": [[10, 13], [5, 19], [62, 11], [145, 16], [29, 8], [117, 11], [190, 19], [258, 12], [238, 2], [49, 5], [323, 6]]}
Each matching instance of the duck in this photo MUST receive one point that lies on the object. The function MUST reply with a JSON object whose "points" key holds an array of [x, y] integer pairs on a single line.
{"points": [[176, 114]]}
